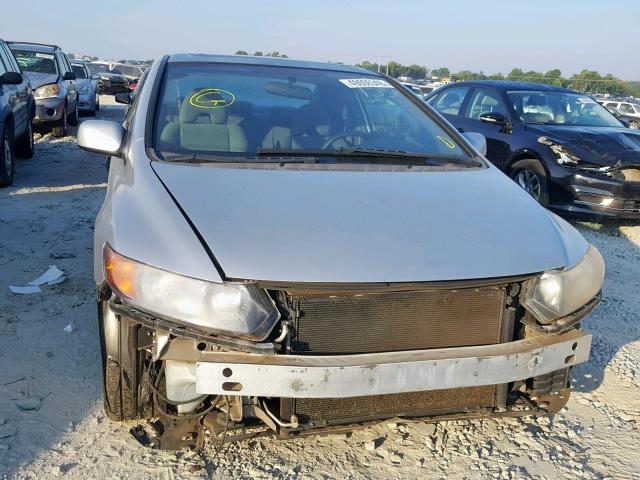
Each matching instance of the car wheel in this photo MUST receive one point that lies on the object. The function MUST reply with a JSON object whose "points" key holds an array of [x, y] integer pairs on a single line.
{"points": [[24, 144], [635, 125], [60, 130], [6, 159], [97, 103], [123, 366], [531, 176], [74, 119]]}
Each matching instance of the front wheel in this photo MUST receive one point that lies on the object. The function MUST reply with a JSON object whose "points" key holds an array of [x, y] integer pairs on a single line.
{"points": [[532, 177], [6, 159], [24, 144], [74, 119], [60, 130], [123, 366], [634, 124]]}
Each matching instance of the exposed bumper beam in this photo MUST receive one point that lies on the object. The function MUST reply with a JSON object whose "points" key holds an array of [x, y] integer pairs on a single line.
{"points": [[292, 376]]}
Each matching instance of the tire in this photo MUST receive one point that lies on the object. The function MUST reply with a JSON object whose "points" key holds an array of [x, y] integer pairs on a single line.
{"points": [[91, 113], [123, 368], [60, 130], [24, 144], [97, 103], [74, 118], [532, 177], [634, 125], [7, 162]]}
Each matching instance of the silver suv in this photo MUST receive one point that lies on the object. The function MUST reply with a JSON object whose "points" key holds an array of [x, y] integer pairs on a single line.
{"points": [[305, 247], [53, 82]]}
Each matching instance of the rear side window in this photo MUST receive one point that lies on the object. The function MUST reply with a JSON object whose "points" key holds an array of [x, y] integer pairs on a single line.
{"points": [[626, 108], [79, 71], [3, 69], [485, 101], [10, 62], [450, 101]]}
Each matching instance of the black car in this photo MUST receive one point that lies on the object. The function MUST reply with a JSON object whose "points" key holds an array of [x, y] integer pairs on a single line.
{"points": [[17, 108], [566, 150], [108, 81]]}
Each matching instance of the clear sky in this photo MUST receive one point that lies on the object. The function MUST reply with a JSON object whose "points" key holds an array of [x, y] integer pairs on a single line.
{"points": [[487, 35]]}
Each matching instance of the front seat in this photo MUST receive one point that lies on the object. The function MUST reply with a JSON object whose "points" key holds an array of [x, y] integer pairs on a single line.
{"points": [[204, 129], [310, 128]]}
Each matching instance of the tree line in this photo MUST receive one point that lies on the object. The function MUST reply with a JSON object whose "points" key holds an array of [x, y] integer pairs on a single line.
{"points": [[585, 81]]}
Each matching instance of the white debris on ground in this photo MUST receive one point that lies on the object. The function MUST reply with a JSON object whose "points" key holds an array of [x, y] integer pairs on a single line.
{"points": [[51, 419]]}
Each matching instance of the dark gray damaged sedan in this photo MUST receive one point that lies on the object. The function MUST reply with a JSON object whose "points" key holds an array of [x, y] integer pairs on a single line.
{"points": [[304, 247]]}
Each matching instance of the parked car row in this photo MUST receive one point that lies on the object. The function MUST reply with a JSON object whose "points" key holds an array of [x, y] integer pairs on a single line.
{"points": [[567, 151], [629, 111]]}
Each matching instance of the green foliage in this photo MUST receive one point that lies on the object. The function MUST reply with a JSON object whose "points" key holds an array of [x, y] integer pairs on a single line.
{"points": [[241, 52]]}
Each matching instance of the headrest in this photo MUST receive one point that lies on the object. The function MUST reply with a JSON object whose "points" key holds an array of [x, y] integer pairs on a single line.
{"points": [[489, 102], [310, 120], [536, 101], [190, 113]]}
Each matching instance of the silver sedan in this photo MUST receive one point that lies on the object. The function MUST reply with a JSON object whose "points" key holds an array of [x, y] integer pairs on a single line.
{"points": [[310, 247]]}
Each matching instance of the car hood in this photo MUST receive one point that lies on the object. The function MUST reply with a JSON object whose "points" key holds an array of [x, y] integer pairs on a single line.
{"points": [[38, 79], [359, 227], [604, 146]]}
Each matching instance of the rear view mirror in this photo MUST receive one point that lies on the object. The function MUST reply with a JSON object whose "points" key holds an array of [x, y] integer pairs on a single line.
{"points": [[477, 141], [10, 78], [290, 90], [69, 76], [124, 98], [101, 136], [494, 118]]}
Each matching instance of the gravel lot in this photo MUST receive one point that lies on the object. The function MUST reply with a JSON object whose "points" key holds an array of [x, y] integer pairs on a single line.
{"points": [[47, 218]]}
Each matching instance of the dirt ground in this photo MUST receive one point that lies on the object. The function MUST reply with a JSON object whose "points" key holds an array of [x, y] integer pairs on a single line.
{"points": [[47, 218]]}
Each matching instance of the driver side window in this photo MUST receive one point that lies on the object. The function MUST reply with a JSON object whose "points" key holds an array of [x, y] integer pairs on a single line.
{"points": [[485, 101]]}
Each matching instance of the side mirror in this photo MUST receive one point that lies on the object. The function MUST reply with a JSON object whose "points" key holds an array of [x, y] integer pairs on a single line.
{"points": [[69, 76], [494, 118], [101, 136], [10, 78], [477, 141]]}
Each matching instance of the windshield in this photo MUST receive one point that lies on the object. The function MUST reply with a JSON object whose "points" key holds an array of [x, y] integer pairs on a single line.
{"points": [[79, 71], [561, 108], [98, 67], [248, 111], [37, 62]]}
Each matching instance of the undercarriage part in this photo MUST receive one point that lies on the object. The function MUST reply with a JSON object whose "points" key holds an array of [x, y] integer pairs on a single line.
{"points": [[317, 412], [170, 434]]}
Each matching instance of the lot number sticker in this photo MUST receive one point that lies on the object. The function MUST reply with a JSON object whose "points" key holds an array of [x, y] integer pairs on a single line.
{"points": [[365, 83]]}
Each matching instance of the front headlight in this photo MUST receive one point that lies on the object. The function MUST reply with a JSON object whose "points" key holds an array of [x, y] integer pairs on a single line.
{"points": [[47, 91], [234, 309], [558, 293]]}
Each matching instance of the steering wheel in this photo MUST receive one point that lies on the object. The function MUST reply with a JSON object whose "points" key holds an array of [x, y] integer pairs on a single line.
{"points": [[344, 136]]}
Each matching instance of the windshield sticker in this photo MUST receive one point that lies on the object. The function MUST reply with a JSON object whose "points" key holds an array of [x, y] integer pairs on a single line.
{"points": [[365, 83], [448, 142], [44, 55], [212, 98]]}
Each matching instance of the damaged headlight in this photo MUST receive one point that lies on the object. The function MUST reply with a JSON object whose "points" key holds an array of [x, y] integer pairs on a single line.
{"points": [[235, 309], [558, 293]]}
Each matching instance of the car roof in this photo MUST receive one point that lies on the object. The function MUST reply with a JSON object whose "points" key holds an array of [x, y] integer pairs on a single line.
{"points": [[512, 85], [34, 47], [267, 61]]}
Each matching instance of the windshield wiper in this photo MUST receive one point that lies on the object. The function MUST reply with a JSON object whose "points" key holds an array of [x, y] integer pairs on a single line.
{"points": [[383, 155], [193, 158]]}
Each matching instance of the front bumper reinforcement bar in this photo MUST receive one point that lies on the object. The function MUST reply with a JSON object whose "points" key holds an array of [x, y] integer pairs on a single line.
{"points": [[297, 376]]}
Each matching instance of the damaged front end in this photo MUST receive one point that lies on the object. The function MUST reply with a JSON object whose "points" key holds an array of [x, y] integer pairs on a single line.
{"points": [[346, 356]]}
